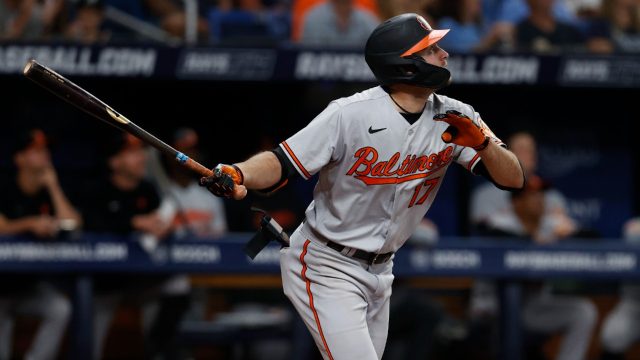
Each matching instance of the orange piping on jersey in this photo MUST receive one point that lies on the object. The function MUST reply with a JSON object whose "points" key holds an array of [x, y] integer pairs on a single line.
{"points": [[473, 161], [311, 305], [295, 159]]}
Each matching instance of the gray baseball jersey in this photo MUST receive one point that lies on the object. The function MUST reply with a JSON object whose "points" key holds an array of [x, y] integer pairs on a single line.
{"points": [[378, 176]]}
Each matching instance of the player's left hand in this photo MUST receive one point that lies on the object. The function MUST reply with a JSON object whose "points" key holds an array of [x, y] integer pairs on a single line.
{"points": [[462, 130], [226, 181]]}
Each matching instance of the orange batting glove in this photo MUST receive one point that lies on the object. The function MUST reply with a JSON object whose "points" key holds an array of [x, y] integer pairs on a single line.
{"points": [[462, 130], [226, 181]]}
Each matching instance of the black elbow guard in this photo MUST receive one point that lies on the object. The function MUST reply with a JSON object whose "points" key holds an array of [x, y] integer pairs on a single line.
{"points": [[287, 171]]}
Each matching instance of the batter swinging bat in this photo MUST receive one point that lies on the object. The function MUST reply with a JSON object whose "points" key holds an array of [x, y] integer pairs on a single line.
{"points": [[82, 99]]}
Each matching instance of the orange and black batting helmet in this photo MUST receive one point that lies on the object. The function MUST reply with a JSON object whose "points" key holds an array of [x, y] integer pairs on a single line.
{"points": [[391, 47]]}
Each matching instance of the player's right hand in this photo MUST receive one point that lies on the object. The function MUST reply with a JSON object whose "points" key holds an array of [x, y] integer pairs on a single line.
{"points": [[226, 181]]}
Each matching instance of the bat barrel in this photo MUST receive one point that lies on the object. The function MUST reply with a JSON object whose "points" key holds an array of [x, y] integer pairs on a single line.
{"points": [[85, 101]]}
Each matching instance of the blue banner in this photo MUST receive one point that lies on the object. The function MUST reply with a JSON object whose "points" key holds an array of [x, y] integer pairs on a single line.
{"points": [[303, 64], [451, 257]]}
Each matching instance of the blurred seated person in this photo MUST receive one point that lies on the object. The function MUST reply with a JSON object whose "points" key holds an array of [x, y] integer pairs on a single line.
{"points": [[429, 9], [87, 26], [487, 199], [197, 213], [194, 214], [617, 29], [30, 19], [253, 21], [529, 218], [337, 23], [122, 203], [543, 32], [33, 204], [300, 8], [544, 311], [285, 205], [621, 326], [514, 11], [470, 32], [169, 14]]}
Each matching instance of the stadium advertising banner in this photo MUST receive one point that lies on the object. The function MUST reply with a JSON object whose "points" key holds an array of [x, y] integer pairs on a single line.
{"points": [[452, 257], [298, 64]]}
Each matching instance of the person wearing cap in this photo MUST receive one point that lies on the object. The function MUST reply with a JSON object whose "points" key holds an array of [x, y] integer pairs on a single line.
{"points": [[337, 23], [381, 156], [33, 204], [487, 200], [122, 203], [88, 23], [193, 214], [197, 214], [545, 312]]}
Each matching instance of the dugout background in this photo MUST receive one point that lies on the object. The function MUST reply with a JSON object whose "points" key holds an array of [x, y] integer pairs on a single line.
{"points": [[588, 146]]}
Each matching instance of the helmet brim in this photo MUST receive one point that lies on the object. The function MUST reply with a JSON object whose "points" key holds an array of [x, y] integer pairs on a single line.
{"points": [[433, 37]]}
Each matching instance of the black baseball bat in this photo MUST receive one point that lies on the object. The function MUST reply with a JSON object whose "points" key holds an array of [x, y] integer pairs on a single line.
{"points": [[85, 101]]}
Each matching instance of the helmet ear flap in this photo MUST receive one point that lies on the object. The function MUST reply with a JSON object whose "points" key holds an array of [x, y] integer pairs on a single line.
{"points": [[406, 69], [410, 69]]}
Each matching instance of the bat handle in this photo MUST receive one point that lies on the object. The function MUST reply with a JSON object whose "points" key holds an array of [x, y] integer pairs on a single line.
{"points": [[193, 165]]}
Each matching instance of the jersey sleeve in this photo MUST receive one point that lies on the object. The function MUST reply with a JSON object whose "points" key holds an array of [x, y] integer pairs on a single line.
{"points": [[316, 144], [469, 158]]}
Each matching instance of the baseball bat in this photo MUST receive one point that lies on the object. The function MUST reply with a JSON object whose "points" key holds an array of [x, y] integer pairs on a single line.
{"points": [[85, 101]]}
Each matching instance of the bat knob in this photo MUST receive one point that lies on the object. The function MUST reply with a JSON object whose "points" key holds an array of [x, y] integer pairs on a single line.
{"points": [[28, 66]]}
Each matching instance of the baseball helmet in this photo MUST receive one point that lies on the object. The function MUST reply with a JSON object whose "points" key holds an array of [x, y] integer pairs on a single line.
{"points": [[391, 47]]}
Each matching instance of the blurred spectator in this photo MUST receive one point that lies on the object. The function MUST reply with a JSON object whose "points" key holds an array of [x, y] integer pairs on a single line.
{"points": [[429, 9], [172, 18], [34, 204], [123, 203], [544, 311], [487, 199], [583, 9], [126, 20], [621, 327], [514, 11], [300, 8], [253, 21], [195, 214], [88, 24], [470, 32], [617, 29], [198, 214], [30, 19], [337, 23], [543, 32], [285, 205], [530, 218], [540, 213]]}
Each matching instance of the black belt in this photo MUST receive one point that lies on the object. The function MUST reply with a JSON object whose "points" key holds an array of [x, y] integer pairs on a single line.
{"points": [[369, 257]]}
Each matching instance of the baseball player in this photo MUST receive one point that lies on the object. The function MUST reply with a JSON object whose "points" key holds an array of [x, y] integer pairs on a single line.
{"points": [[381, 155]]}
